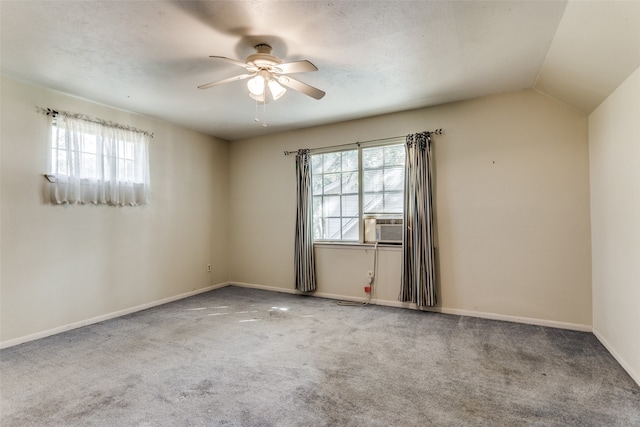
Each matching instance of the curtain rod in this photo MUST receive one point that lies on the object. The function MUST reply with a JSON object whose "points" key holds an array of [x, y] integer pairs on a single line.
{"points": [[357, 143], [53, 113]]}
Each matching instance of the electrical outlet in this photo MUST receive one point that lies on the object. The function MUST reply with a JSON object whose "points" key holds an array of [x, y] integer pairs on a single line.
{"points": [[208, 268]]}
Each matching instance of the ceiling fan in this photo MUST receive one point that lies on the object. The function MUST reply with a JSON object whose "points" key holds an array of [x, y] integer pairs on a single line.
{"points": [[268, 71]]}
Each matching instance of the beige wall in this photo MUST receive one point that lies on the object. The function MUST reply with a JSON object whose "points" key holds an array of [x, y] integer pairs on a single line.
{"points": [[512, 209], [65, 264], [614, 144], [512, 213]]}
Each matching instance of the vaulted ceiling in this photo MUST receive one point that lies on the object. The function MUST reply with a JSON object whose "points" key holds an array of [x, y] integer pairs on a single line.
{"points": [[373, 57]]}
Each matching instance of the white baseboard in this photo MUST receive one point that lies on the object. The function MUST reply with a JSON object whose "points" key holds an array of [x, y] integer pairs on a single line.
{"points": [[444, 310], [268, 288], [102, 318], [619, 359], [504, 317]]}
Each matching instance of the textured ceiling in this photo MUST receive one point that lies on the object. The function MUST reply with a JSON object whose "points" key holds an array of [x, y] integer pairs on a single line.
{"points": [[373, 57]]}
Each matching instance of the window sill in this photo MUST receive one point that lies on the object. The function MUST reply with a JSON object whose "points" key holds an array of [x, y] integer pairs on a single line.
{"points": [[357, 245]]}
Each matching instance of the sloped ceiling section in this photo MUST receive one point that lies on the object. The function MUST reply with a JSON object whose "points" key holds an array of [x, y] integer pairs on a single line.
{"points": [[374, 57], [596, 47]]}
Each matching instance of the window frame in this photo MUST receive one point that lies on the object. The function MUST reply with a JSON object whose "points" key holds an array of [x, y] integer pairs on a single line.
{"points": [[359, 147]]}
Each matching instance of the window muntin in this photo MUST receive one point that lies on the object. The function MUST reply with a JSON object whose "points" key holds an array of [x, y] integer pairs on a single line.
{"points": [[346, 183]]}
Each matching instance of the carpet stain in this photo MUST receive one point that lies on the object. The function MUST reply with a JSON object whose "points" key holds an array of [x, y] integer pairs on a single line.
{"points": [[97, 402], [205, 387]]}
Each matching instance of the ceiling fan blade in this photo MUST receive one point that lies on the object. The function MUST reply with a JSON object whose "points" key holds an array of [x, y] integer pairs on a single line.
{"points": [[300, 87], [294, 67], [229, 60], [230, 79]]}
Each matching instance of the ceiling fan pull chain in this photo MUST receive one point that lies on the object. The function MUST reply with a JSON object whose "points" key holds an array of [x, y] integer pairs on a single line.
{"points": [[256, 119], [264, 115]]}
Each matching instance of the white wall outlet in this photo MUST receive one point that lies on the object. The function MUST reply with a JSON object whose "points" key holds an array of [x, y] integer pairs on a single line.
{"points": [[208, 268]]}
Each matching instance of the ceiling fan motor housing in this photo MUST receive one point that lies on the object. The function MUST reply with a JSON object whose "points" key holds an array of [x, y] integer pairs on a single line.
{"points": [[263, 58]]}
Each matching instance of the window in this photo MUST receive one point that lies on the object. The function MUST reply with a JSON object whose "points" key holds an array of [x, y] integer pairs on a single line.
{"points": [[345, 183], [98, 162], [85, 151]]}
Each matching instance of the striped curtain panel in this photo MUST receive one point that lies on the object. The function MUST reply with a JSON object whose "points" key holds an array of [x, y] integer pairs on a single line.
{"points": [[418, 261], [304, 261]]}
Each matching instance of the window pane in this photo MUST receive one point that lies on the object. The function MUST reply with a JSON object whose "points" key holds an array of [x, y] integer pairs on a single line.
{"points": [[317, 206], [394, 179], [372, 180], [394, 155], [316, 182], [316, 164], [318, 224], [88, 165], [373, 203], [89, 144], [318, 229], [61, 164], [350, 205], [331, 206], [393, 202], [333, 230], [56, 137], [128, 151], [349, 161], [125, 170], [121, 169], [332, 162], [350, 228], [372, 157], [331, 183], [350, 182]]}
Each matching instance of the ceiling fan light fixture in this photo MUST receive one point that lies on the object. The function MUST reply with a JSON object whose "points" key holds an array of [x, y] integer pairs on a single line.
{"points": [[276, 90], [256, 86]]}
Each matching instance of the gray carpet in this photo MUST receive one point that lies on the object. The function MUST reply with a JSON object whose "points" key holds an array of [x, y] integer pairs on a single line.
{"points": [[242, 357]]}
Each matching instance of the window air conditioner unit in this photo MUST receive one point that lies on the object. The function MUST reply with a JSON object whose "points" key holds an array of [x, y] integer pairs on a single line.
{"points": [[383, 230]]}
